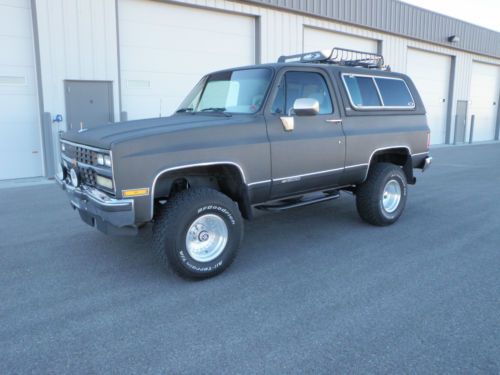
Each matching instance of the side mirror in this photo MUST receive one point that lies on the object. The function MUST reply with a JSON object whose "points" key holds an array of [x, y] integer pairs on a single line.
{"points": [[306, 107]]}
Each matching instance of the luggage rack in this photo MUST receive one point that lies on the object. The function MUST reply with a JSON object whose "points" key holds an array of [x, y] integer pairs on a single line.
{"points": [[339, 56]]}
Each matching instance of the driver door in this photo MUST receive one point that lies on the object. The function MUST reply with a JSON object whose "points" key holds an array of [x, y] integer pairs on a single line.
{"points": [[312, 155]]}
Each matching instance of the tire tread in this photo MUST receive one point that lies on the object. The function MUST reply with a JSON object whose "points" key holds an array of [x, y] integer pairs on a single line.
{"points": [[367, 198]]}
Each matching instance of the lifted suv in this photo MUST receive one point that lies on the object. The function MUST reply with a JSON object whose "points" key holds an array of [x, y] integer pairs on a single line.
{"points": [[270, 137]]}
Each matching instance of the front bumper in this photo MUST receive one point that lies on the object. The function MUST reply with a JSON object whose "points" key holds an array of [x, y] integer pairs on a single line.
{"points": [[109, 215]]}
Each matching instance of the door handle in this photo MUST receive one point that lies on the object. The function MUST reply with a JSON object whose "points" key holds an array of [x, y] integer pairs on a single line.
{"points": [[334, 121]]}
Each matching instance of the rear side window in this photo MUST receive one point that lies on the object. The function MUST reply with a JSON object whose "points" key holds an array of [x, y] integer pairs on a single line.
{"points": [[394, 92], [367, 92], [362, 91]]}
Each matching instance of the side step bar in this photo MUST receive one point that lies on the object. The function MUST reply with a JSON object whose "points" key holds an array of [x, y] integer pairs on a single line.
{"points": [[306, 201]]}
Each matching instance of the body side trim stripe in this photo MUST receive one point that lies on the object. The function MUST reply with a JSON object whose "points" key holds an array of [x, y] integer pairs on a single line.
{"points": [[259, 182], [306, 174]]}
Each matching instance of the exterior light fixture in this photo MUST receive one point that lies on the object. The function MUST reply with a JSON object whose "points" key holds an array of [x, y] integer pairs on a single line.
{"points": [[453, 39]]}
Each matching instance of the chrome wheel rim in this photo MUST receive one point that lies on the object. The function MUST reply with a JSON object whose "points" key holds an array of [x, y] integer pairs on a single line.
{"points": [[391, 196], [206, 238]]}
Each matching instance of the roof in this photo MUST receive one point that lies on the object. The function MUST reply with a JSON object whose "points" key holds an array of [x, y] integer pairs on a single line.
{"points": [[398, 18], [333, 67]]}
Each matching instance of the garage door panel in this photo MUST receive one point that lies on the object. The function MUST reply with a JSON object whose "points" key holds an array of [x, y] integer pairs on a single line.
{"points": [[165, 49], [19, 119], [431, 74], [315, 39], [23, 51], [17, 80], [15, 21], [185, 61], [143, 106], [152, 36], [136, 11], [146, 90], [13, 109], [146, 83], [484, 97]]}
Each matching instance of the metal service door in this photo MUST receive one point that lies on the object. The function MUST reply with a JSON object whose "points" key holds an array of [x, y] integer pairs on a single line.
{"points": [[88, 103]]}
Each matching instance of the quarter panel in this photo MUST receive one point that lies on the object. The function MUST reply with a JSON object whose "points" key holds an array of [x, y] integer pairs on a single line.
{"points": [[366, 134]]}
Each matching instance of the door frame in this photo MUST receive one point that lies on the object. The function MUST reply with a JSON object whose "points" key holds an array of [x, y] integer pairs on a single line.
{"points": [[66, 82], [336, 114]]}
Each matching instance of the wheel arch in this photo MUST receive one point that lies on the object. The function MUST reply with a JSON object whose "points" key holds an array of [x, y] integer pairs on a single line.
{"points": [[226, 177], [398, 155]]}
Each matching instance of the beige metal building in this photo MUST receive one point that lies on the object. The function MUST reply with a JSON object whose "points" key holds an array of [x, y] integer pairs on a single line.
{"points": [[64, 62]]}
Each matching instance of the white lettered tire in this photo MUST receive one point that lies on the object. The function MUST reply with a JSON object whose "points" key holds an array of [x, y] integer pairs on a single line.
{"points": [[198, 232]]}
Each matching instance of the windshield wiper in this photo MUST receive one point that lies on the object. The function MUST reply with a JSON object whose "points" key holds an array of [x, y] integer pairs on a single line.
{"points": [[216, 110], [181, 110]]}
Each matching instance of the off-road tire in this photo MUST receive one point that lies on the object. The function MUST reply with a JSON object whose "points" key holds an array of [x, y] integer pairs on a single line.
{"points": [[369, 195], [172, 222]]}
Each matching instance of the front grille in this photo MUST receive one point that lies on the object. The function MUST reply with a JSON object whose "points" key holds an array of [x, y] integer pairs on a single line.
{"points": [[86, 164], [87, 175], [84, 155]]}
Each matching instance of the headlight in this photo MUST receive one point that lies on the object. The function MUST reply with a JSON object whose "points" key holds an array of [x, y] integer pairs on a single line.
{"points": [[63, 147], [103, 160], [104, 182], [100, 159]]}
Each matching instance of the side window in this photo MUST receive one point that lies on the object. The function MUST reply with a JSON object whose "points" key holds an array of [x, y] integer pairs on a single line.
{"points": [[394, 92], [362, 91], [296, 85]]}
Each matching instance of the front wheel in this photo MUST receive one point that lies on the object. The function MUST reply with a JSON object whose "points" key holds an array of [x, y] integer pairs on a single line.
{"points": [[198, 232], [381, 199]]}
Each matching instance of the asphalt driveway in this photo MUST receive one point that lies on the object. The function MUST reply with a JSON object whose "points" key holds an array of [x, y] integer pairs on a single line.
{"points": [[313, 290]]}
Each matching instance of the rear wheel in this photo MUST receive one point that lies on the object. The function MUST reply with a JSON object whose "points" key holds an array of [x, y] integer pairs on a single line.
{"points": [[198, 232], [381, 199]]}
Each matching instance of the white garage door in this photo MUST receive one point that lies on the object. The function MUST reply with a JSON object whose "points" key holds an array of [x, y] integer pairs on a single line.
{"points": [[316, 40], [165, 49], [20, 151], [484, 96], [431, 74]]}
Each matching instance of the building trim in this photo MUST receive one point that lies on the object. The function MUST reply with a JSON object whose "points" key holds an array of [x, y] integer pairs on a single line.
{"points": [[497, 130], [422, 24], [48, 165], [258, 40], [449, 107], [121, 116]]}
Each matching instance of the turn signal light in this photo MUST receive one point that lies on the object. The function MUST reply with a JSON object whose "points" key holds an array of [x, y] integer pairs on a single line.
{"points": [[135, 192]]}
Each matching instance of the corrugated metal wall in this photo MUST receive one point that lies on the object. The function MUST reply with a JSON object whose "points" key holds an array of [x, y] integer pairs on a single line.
{"points": [[398, 18]]}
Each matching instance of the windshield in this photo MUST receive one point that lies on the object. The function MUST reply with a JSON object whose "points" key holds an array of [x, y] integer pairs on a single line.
{"points": [[236, 91]]}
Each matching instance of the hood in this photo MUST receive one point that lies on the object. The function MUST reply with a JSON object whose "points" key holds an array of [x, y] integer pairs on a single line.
{"points": [[105, 135]]}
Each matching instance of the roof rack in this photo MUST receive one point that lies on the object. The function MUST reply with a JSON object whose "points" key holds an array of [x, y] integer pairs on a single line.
{"points": [[338, 56]]}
